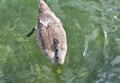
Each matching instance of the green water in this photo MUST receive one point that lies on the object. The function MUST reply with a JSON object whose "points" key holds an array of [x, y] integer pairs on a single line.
{"points": [[93, 35]]}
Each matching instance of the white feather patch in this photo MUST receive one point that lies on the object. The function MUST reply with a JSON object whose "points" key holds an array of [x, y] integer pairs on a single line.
{"points": [[45, 23]]}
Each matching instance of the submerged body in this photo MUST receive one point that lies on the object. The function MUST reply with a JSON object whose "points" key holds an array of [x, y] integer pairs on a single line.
{"points": [[50, 34]]}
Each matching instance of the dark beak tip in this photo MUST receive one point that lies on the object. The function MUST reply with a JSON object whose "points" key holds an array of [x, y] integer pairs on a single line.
{"points": [[57, 57]]}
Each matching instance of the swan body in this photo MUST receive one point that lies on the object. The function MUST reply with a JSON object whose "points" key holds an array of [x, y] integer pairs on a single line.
{"points": [[50, 35]]}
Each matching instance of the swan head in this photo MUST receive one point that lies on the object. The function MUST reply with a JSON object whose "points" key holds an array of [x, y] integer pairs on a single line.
{"points": [[57, 60]]}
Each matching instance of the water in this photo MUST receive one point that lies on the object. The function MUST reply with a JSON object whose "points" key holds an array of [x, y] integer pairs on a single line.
{"points": [[93, 34]]}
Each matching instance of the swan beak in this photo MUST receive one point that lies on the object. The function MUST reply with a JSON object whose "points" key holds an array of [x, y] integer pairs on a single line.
{"points": [[57, 54]]}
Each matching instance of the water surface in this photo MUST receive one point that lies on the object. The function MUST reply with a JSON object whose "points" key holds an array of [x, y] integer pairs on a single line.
{"points": [[93, 34]]}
